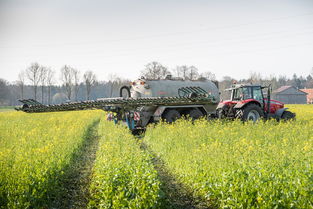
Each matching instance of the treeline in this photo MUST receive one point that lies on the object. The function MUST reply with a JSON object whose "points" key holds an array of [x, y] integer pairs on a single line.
{"points": [[51, 87], [69, 84]]}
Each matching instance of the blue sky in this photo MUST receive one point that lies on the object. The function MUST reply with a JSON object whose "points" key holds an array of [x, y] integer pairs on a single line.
{"points": [[228, 38]]}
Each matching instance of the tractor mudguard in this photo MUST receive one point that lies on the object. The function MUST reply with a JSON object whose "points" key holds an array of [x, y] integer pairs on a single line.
{"points": [[239, 105], [280, 112]]}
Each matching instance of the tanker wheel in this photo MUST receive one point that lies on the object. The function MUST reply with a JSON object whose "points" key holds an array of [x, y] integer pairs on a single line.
{"points": [[25, 106], [171, 115], [195, 114], [137, 132], [125, 92], [287, 115], [250, 112]]}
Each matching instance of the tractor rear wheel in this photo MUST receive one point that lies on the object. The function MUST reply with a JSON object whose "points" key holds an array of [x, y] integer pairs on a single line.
{"points": [[287, 115], [251, 112], [171, 115], [195, 114]]}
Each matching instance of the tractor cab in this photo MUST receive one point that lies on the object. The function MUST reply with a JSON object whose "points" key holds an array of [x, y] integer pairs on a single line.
{"points": [[250, 102], [241, 94], [245, 92]]}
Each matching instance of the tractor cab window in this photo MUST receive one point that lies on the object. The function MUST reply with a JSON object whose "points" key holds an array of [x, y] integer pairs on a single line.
{"points": [[242, 93], [257, 93], [237, 94]]}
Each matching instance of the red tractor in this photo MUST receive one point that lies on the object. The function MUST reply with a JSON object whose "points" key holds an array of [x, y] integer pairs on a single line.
{"points": [[247, 102]]}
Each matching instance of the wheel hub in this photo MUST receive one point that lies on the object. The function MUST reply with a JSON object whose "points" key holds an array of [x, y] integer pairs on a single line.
{"points": [[253, 115]]}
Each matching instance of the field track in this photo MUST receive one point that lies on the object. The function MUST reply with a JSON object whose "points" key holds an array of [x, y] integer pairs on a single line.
{"points": [[76, 181], [176, 195]]}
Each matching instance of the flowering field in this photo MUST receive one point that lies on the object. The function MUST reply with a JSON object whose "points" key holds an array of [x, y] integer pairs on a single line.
{"points": [[236, 165], [224, 164], [35, 150]]}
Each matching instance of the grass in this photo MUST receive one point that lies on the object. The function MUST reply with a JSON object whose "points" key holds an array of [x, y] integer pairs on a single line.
{"points": [[6, 108]]}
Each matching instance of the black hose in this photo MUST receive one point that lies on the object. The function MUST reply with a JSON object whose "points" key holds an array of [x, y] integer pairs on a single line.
{"points": [[127, 89]]}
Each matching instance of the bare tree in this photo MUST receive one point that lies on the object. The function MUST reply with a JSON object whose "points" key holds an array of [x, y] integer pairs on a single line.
{"points": [[21, 83], [90, 80], [255, 77], [76, 77], [43, 78], [182, 71], [67, 78], [176, 72], [4, 92], [208, 75], [50, 81], [33, 74], [282, 80], [113, 79], [155, 70], [193, 73]]}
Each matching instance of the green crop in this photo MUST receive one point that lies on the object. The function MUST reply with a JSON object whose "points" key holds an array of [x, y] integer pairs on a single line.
{"points": [[241, 165], [123, 174], [35, 150]]}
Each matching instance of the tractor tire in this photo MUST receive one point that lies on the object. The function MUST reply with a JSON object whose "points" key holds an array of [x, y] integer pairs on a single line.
{"points": [[287, 115], [171, 115], [125, 92], [195, 114], [250, 112]]}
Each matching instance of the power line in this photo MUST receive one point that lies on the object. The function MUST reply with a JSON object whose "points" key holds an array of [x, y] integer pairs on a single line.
{"points": [[183, 46]]}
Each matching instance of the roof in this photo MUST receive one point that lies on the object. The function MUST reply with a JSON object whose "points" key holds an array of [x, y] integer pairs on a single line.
{"points": [[308, 91], [284, 88], [309, 94]]}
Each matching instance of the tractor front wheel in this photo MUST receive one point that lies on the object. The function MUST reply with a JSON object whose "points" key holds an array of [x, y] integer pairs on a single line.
{"points": [[250, 112]]}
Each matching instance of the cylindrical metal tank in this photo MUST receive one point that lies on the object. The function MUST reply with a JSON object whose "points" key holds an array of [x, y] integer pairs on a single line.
{"points": [[169, 87]]}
